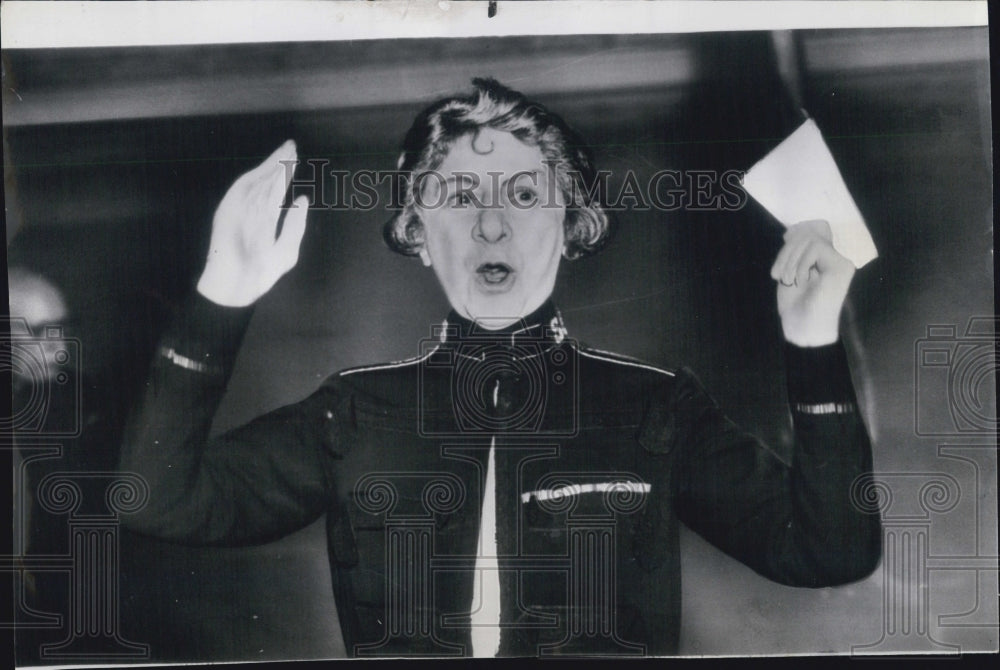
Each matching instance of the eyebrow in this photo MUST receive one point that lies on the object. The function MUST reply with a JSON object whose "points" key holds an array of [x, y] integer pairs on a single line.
{"points": [[539, 172]]}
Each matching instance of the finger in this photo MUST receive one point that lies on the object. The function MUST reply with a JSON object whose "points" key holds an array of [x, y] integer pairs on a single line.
{"points": [[269, 166], [279, 181], [275, 190], [798, 238], [287, 245], [799, 249], [285, 152], [807, 262], [789, 255], [266, 187], [293, 156], [255, 187], [787, 249]]}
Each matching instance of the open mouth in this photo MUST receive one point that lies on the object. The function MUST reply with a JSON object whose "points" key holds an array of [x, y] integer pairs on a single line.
{"points": [[495, 274]]}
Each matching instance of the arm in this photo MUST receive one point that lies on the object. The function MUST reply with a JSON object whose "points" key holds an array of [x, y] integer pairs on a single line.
{"points": [[264, 479], [796, 523]]}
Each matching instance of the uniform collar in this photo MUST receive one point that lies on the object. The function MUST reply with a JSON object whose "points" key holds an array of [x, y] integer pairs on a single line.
{"points": [[543, 326]]}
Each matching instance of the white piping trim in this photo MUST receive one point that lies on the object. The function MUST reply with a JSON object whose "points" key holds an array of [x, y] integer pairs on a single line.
{"points": [[824, 407], [577, 489], [389, 366], [180, 360], [593, 353], [590, 354]]}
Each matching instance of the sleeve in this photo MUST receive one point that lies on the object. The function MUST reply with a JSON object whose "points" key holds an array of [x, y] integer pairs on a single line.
{"points": [[250, 485], [804, 523]]}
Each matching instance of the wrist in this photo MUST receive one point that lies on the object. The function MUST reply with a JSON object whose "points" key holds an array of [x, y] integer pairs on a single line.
{"points": [[810, 331], [222, 286], [813, 338], [204, 336]]}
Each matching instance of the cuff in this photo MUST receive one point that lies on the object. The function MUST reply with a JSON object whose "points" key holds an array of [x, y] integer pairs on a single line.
{"points": [[204, 336], [818, 377]]}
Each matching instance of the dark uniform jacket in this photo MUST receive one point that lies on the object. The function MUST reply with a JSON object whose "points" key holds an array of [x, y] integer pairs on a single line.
{"points": [[598, 458]]}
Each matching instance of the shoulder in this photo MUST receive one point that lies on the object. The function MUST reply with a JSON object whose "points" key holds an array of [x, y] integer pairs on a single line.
{"points": [[389, 381], [389, 368], [620, 363], [614, 379], [398, 369]]}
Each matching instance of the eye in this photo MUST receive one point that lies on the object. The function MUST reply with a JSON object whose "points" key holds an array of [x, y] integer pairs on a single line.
{"points": [[524, 195], [463, 197]]}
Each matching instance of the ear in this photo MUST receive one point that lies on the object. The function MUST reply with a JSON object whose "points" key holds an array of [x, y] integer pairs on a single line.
{"points": [[425, 257]]}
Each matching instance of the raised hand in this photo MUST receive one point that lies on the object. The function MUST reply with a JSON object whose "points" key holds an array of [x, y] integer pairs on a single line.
{"points": [[813, 279], [246, 256]]}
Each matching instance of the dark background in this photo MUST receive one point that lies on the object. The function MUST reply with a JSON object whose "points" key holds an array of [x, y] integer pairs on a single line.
{"points": [[116, 158]]}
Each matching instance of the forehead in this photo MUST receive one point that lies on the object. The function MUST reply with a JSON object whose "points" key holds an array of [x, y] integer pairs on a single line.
{"points": [[491, 150]]}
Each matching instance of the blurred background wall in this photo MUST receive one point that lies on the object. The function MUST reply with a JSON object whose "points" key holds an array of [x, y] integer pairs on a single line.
{"points": [[116, 158]]}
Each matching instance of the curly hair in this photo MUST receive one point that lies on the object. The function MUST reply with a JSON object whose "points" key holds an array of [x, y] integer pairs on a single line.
{"points": [[493, 105]]}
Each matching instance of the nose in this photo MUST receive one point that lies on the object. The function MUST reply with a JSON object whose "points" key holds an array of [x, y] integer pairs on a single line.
{"points": [[491, 225]]}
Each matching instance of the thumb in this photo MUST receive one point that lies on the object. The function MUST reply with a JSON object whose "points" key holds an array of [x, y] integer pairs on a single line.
{"points": [[288, 243]]}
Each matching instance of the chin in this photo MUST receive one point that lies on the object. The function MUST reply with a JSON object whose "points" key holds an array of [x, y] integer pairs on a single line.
{"points": [[497, 307]]}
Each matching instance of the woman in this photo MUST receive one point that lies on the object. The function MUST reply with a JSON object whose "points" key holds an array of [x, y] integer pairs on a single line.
{"points": [[509, 492]]}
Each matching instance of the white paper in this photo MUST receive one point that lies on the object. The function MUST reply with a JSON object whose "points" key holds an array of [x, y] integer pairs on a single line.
{"points": [[799, 181], [27, 25]]}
